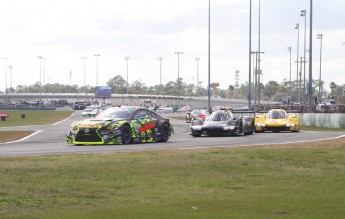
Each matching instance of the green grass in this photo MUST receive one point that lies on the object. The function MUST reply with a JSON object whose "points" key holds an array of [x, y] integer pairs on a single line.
{"points": [[295, 181], [33, 117]]}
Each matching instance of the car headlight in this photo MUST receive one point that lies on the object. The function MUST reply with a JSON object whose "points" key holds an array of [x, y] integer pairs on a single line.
{"points": [[229, 127], [260, 124], [290, 125], [74, 129], [197, 127]]}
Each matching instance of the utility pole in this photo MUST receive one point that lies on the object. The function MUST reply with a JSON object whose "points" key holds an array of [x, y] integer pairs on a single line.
{"points": [[297, 85], [299, 79], [127, 58], [178, 78], [10, 67], [97, 55], [304, 14], [84, 58], [320, 36], [250, 57], [289, 49], [197, 59], [237, 79], [310, 110], [257, 73]]}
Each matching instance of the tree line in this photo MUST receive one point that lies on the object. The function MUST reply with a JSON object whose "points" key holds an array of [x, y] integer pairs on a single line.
{"points": [[272, 90]]}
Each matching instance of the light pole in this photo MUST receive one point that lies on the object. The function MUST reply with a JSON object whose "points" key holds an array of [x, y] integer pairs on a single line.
{"points": [[10, 67], [310, 59], [289, 49], [97, 55], [209, 57], [84, 58], [304, 14], [160, 74], [250, 56], [5, 73], [259, 58], [197, 59], [298, 90], [320, 36], [127, 58], [178, 77], [39, 103], [44, 71]]}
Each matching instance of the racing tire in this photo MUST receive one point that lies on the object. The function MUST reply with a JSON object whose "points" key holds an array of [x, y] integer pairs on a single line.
{"points": [[126, 135], [241, 128], [253, 127], [165, 133]]}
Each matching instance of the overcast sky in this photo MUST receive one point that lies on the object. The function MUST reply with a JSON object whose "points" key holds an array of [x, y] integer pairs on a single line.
{"points": [[63, 31]]}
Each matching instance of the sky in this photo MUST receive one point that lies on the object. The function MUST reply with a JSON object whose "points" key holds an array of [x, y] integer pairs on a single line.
{"points": [[64, 31]]}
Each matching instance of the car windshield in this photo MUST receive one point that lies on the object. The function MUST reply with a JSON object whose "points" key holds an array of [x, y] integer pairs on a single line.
{"points": [[196, 112], [276, 115], [220, 117], [113, 113]]}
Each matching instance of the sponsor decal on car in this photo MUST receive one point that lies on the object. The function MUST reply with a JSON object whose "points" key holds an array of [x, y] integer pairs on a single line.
{"points": [[147, 127]]}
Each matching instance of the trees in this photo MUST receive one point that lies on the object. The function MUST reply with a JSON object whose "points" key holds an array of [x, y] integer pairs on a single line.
{"points": [[118, 84], [332, 86], [271, 90]]}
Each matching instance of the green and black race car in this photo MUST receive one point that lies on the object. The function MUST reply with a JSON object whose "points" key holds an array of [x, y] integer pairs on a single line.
{"points": [[121, 125]]}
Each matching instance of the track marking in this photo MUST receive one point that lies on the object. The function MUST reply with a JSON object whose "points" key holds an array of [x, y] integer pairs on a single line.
{"points": [[292, 142], [64, 119]]}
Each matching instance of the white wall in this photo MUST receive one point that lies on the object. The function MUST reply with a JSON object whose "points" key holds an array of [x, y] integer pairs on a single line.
{"points": [[326, 120]]}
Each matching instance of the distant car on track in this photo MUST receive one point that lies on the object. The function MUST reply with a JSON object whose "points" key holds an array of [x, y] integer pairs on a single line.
{"points": [[91, 111], [222, 122], [196, 114], [277, 120], [121, 125]]}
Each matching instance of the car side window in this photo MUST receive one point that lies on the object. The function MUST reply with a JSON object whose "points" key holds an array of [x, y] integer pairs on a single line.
{"points": [[141, 114], [150, 114]]}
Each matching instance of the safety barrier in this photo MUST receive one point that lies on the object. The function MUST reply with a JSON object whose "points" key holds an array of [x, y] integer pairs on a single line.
{"points": [[324, 120]]}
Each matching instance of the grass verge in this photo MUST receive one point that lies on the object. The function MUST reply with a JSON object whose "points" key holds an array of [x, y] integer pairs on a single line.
{"points": [[33, 117], [291, 181], [7, 136]]}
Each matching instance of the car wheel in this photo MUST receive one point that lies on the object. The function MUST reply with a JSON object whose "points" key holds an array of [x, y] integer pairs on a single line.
{"points": [[241, 128], [165, 133], [252, 129], [126, 135]]}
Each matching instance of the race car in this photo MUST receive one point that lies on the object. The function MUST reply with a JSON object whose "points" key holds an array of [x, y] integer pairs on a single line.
{"points": [[88, 112], [121, 125], [91, 111], [277, 120], [201, 114], [222, 122]]}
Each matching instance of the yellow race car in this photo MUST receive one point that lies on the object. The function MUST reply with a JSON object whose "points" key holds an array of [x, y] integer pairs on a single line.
{"points": [[277, 120]]}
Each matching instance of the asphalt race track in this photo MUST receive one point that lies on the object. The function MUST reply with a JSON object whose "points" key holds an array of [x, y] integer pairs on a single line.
{"points": [[50, 139]]}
